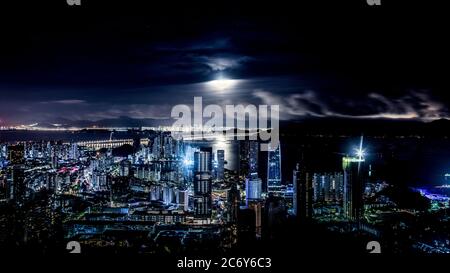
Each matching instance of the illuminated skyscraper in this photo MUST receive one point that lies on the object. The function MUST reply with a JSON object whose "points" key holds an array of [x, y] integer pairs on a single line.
{"points": [[244, 158], [168, 146], [167, 195], [182, 199], [3, 151], [74, 152], [202, 183], [234, 199], [220, 164], [156, 147], [353, 187], [253, 156], [99, 181], [328, 187], [302, 192], [16, 154], [256, 206], [274, 170], [125, 168], [253, 188], [16, 188], [248, 157]]}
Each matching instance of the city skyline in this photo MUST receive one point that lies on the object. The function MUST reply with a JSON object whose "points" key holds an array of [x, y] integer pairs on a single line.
{"points": [[224, 135]]}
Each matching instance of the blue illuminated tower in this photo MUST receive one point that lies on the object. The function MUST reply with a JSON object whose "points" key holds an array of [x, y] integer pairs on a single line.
{"points": [[202, 183], [253, 156], [253, 188], [274, 170]]}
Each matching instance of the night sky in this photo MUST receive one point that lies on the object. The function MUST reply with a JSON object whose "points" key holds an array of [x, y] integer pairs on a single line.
{"points": [[111, 60]]}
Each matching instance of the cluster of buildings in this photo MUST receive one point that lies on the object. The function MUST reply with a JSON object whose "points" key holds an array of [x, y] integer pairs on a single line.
{"points": [[161, 181], [169, 171], [167, 190]]}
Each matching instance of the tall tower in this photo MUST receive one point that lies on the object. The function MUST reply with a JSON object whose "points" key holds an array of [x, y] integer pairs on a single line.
{"points": [[16, 187], [16, 154], [353, 187], [302, 192], [202, 183], [253, 156], [125, 168], [220, 164], [244, 152], [354, 181], [274, 170], [253, 188]]}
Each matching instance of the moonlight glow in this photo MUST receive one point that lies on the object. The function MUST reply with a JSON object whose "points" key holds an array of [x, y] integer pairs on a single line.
{"points": [[221, 84]]}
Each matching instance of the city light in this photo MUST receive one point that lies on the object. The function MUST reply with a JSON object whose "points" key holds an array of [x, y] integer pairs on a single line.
{"points": [[187, 162], [360, 153], [223, 136]]}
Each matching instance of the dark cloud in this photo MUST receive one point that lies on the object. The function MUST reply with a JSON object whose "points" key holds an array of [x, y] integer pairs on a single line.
{"points": [[345, 61]]}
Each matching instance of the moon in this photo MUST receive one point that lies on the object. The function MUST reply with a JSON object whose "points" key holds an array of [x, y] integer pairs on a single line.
{"points": [[222, 84]]}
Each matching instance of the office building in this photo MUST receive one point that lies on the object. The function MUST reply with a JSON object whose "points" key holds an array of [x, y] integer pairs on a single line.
{"points": [[220, 164], [253, 188], [302, 192], [16, 187], [125, 168], [244, 158], [16, 154], [274, 170], [253, 156], [202, 183], [353, 187], [328, 187]]}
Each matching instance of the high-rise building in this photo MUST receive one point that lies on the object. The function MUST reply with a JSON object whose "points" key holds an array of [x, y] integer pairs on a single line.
{"points": [[256, 206], [167, 195], [203, 160], [125, 168], [253, 188], [156, 192], [220, 164], [182, 199], [99, 181], [156, 147], [54, 160], [302, 192], [16, 154], [274, 170], [248, 157], [244, 158], [74, 152], [353, 187], [328, 187], [253, 156], [168, 147], [202, 183], [16, 188], [234, 198], [3, 151], [3, 186]]}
